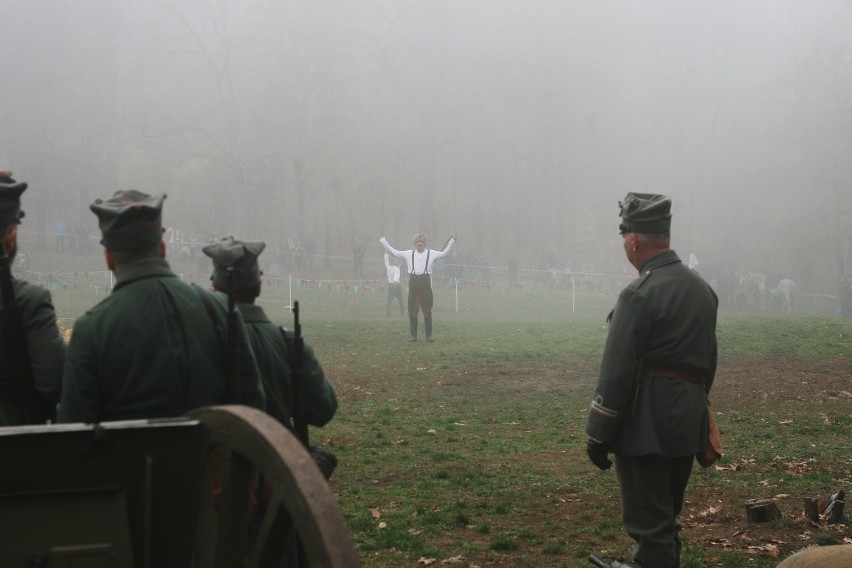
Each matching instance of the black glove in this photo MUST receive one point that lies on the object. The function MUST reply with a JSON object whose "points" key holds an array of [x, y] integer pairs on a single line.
{"points": [[598, 453]]}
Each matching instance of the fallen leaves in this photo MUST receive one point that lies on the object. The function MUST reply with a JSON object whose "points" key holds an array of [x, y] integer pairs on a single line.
{"points": [[423, 561], [767, 550]]}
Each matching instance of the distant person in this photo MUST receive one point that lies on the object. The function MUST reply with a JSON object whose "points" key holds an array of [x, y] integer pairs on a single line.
{"points": [[71, 237], [293, 249], [273, 347], [567, 271], [454, 268], [845, 297], [693, 261], [513, 271], [589, 275], [310, 252], [394, 287], [156, 346], [358, 261], [420, 261], [32, 351], [658, 364], [59, 232]]}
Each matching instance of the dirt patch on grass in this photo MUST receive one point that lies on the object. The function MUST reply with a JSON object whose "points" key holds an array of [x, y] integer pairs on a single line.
{"points": [[714, 516], [715, 519], [742, 381]]}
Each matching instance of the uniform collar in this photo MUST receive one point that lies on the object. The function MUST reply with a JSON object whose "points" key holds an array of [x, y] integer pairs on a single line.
{"points": [[662, 259], [252, 313], [142, 269]]}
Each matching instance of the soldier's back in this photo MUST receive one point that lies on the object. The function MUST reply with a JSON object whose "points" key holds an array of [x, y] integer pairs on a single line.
{"points": [[150, 349]]}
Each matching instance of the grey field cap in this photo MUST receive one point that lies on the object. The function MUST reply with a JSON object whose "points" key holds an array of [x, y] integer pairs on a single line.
{"points": [[241, 256], [10, 199], [130, 219], [645, 213]]}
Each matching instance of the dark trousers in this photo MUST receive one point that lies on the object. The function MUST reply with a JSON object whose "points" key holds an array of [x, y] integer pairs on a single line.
{"points": [[420, 295], [394, 291], [652, 489]]}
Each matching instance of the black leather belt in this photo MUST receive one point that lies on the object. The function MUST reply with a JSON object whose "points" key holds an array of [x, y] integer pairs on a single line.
{"points": [[674, 374]]}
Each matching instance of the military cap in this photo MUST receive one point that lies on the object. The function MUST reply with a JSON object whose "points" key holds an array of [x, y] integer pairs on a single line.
{"points": [[645, 213], [130, 219], [419, 238], [241, 256], [10, 199]]}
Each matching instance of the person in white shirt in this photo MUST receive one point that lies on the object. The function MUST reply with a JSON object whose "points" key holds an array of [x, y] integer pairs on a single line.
{"points": [[420, 261], [693, 261], [394, 287]]}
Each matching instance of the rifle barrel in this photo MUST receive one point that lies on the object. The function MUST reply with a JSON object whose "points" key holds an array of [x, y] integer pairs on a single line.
{"points": [[300, 423]]}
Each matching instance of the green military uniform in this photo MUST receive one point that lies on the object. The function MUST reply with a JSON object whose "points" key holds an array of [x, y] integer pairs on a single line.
{"points": [[152, 348], [237, 273], [650, 403], [45, 345], [38, 317], [275, 360], [274, 354]]}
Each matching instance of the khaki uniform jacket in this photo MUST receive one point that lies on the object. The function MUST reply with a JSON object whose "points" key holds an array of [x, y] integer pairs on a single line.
{"points": [[150, 350], [665, 319], [44, 342]]}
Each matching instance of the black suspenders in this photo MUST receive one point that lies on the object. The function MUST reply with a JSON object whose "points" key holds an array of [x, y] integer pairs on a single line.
{"points": [[425, 268]]}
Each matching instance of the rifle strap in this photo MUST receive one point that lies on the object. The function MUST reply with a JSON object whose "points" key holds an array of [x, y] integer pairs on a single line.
{"points": [[271, 396], [221, 334]]}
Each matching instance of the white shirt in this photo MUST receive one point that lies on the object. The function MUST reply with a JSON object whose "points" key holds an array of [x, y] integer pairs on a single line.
{"points": [[393, 271], [693, 260], [419, 259]]}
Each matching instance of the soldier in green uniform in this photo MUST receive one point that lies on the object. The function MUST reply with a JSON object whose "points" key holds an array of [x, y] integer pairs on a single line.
{"points": [[274, 351], [650, 403], [155, 347], [43, 341], [236, 272]]}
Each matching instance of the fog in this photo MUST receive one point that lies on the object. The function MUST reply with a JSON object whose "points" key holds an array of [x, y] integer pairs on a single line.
{"points": [[516, 125]]}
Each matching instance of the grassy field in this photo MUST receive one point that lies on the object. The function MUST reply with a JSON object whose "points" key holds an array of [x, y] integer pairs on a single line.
{"points": [[470, 451]]}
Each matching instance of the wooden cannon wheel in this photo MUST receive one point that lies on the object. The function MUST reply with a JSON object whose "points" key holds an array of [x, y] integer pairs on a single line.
{"points": [[253, 443]]}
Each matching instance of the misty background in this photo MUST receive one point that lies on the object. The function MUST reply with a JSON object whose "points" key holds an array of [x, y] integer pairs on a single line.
{"points": [[517, 126]]}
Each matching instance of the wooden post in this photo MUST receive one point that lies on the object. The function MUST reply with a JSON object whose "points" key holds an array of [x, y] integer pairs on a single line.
{"points": [[811, 509], [761, 510]]}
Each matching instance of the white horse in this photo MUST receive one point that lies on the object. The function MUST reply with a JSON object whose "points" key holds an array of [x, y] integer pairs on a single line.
{"points": [[781, 294]]}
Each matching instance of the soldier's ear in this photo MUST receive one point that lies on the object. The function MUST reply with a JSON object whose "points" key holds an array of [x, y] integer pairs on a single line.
{"points": [[10, 237], [110, 261], [162, 249]]}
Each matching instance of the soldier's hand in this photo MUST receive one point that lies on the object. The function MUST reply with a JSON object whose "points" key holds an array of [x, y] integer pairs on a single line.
{"points": [[598, 453]]}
